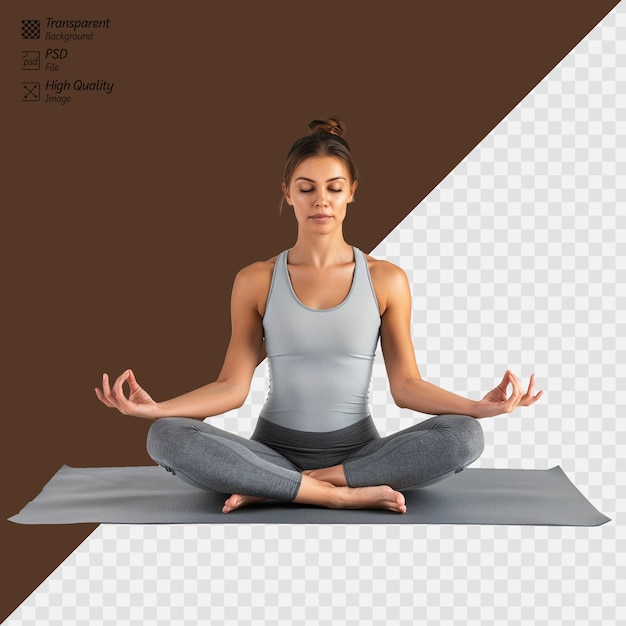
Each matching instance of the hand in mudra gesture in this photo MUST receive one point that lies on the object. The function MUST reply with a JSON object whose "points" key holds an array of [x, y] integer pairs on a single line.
{"points": [[497, 401], [138, 403]]}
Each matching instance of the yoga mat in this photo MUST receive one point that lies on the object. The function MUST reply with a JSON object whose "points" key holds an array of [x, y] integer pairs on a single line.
{"points": [[150, 495]]}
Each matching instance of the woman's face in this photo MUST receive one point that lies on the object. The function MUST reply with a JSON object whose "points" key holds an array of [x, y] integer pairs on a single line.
{"points": [[319, 192]]}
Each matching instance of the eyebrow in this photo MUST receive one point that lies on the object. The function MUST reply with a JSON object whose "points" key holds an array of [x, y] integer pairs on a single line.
{"points": [[312, 181]]}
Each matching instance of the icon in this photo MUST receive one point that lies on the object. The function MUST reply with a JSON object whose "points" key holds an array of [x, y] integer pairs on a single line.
{"points": [[30, 92], [30, 59], [30, 29]]}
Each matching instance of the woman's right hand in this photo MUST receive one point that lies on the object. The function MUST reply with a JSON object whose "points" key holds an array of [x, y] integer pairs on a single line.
{"points": [[139, 403]]}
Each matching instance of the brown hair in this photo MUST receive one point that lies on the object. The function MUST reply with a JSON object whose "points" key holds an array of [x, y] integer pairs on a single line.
{"points": [[325, 139]]}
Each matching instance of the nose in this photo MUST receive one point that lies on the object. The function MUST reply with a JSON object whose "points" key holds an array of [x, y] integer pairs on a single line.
{"points": [[321, 199]]}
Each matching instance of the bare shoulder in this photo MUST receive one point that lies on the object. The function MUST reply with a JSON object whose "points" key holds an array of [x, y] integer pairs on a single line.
{"points": [[385, 270], [389, 280], [255, 272], [253, 283]]}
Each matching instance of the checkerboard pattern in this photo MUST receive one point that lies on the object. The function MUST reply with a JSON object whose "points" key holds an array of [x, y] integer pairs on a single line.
{"points": [[31, 29], [514, 261]]}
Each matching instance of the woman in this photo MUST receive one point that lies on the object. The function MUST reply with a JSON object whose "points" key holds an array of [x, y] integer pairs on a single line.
{"points": [[317, 311]]}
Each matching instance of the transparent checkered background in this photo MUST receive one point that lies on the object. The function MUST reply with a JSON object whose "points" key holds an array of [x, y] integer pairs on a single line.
{"points": [[514, 260]]}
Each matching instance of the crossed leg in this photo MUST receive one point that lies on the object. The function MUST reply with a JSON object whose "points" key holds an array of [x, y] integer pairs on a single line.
{"points": [[416, 457], [211, 458]]}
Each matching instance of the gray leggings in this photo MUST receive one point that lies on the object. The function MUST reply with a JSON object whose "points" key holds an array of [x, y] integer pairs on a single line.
{"points": [[269, 464]]}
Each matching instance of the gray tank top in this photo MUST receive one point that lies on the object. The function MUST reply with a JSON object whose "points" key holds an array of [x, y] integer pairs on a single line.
{"points": [[320, 360]]}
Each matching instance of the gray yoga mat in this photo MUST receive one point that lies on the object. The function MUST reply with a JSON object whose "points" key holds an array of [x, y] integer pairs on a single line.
{"points": [[150, 495]]}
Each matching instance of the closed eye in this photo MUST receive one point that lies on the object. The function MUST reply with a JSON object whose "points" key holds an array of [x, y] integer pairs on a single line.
{"points": [[310, 190]]}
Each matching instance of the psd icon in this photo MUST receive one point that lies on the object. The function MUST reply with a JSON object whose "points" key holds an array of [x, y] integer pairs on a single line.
{"points": [[30, 59], [31, 29]]}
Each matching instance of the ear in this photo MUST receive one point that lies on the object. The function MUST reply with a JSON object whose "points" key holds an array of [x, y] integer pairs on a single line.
{"points": [[286, 194], [355, 184]]}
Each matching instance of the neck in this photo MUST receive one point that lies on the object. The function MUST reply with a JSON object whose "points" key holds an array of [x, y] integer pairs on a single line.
{"points": [[320, 251]]}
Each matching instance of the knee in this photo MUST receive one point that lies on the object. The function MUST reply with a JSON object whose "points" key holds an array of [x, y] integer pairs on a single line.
{"points": [[162, 436], [468, 435], [473, 436]]}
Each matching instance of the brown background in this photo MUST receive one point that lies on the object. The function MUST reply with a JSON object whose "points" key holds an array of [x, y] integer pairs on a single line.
{"points": [[126, 216]]}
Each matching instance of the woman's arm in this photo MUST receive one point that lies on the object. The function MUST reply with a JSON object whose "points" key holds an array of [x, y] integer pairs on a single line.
{"points": [[408, 388], [229, 391]]}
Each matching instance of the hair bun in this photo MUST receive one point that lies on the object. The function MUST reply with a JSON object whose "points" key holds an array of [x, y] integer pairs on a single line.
{"points": [[333, 125]]}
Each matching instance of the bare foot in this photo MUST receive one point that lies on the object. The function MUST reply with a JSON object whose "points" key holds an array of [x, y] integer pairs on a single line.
{"points": [[320, 493], [377, 497], [334, 475], [236, 501]]}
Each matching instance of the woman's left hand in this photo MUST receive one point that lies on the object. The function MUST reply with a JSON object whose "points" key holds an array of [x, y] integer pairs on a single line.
{"points": [[497, 402]]}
